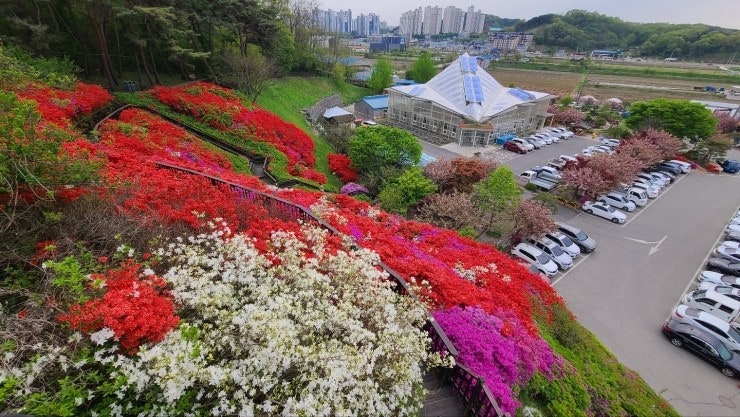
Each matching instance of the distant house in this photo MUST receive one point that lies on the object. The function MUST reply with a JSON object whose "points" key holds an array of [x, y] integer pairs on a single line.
{"points": [[511, 41], [606, 54], [465, 104], [372, 107], [719, 107]]}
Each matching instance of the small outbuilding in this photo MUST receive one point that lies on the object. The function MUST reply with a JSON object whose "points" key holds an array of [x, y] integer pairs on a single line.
{"points": [[338, 115], [372, 107]]}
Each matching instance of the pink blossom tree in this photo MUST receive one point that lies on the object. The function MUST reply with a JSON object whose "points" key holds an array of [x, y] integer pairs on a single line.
{"points": [[531, 218], [667, 144], [726, 123], [640, 149], [585, 181]]}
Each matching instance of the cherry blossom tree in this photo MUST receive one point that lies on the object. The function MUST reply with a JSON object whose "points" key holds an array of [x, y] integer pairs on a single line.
{"points": [[667, 144], [453, 210], [726, 123], [586, 181], [641, 149], [459, 174], [531, 218]]}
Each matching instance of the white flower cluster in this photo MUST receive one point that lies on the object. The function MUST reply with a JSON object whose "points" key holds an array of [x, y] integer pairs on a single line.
{"points": [[472, 273], [285, 334]]}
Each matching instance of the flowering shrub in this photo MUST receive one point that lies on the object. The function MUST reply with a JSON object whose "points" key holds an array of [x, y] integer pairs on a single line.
{"points": [[496, 347], [125, 311], [61, 107], [280, 335], [223, 110], [342, 167], [352, 188]]}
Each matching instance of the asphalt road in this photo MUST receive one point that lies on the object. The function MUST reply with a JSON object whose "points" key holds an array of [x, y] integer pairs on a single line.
{"points": [[626, 289]]}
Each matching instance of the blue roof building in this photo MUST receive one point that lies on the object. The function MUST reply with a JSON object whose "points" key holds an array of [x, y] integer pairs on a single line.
{"points": [[372, 107]]}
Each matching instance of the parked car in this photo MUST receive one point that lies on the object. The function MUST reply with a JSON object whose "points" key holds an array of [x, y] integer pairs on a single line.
{"points": [[612, 143], [651, 190], [617, 200], [719, 279], [713, 325], [533, 141], [536, 257], [568, 158], [517, 147], [733, 235], [728, 252], [723, 265], [563, 132], [714, 303], [524, 143], [578, 236], [555, 252], [604, 149], [731, 244], [663, 175], [547, 137], [604, 210], [669, 166], [556, 163], [636, 195], [704, 345], [685, 166], [548, 169], [539, 141], [660, 182], [564, 242], [731, 292], [533, 269], [731, 166]]}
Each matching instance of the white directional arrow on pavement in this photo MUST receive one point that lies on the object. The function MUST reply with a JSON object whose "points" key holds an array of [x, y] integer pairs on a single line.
{"points": [[654, 248]]}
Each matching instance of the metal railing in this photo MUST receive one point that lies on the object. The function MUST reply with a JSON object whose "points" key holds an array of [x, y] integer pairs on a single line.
{"points": [[471, 388]]}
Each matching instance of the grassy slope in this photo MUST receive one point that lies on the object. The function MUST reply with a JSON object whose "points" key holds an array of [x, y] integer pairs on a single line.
{"points": [[289, 96]]}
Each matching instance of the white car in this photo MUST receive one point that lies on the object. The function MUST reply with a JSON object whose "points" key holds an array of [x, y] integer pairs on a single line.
{"points": [[661, 183], [651, 190], [735, 220], [555, 138], [536, 257], [617, 200], [546, 168], [564, 242], [719, 278], [728, 252], [685, 166], [604, 210], [535, 142], [539, 141], [554, 251], [731, 292], [731, 244], [547, 138], [562, 132], [709, 323], [612, 143]]}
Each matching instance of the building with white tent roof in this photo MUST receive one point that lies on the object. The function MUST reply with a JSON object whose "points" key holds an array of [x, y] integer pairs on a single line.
{"points": [[465, 104]]}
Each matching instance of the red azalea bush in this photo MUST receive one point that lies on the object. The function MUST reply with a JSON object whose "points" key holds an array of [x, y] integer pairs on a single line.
{"points": [[341, 165], [223, 110], [138, 310], [61, 107]]}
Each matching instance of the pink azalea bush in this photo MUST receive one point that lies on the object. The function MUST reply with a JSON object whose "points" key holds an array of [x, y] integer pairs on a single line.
{"points": [[498, 348]]}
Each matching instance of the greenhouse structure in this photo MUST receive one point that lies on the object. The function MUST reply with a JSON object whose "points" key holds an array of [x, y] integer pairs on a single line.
{"points": [[465, 104]]}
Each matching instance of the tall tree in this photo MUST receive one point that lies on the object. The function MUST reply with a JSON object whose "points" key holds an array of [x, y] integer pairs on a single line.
{"points": [[406, 191], [423, 69], [381, 146], [382, 75], [497, 196], [680, 118]]}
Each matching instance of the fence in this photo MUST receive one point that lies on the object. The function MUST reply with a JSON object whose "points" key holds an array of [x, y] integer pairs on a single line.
{"points": [[470, 388]]}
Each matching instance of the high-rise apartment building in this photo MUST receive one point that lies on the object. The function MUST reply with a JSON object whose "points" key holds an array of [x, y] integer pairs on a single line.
{"points": [[453, 19], [432, 20], [366, 25], [411, 22]]}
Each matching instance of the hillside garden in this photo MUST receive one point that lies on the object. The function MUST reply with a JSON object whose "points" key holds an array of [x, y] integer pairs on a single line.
{"points": [[131, 289]]}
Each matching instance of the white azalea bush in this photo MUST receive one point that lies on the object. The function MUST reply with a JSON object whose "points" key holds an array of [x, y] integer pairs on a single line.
{"points": [[307, 329]]}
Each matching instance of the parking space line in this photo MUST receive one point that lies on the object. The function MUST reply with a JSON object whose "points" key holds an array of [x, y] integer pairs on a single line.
{"points": [[583, 258], [653, 201], [702, 265]]}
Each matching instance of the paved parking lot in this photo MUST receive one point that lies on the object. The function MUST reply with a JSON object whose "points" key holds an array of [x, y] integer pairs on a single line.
{"points": [[625, 290]]}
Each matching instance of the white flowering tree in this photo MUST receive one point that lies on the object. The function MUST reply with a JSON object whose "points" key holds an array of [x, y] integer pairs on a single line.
{"points": [[305, 329]]}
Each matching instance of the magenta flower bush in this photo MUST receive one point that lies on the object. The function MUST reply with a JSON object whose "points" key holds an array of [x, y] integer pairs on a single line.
{"points": [[353, 188], [499, 349]]}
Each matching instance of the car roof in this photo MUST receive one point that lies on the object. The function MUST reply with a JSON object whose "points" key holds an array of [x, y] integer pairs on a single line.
{"points": [[708, 317]]}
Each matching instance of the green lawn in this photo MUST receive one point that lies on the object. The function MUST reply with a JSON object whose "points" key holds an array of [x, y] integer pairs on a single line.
{"points": [[289, 96]]}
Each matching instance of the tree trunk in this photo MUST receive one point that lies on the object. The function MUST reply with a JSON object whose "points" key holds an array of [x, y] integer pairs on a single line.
{"points": [[97, 23], [146, 67]]}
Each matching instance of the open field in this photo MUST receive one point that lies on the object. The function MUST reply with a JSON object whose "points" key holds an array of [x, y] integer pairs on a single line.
{"points": [[626, 88]]}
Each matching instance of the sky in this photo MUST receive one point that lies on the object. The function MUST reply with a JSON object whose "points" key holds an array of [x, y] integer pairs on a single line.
{"points": [[723, 13]]}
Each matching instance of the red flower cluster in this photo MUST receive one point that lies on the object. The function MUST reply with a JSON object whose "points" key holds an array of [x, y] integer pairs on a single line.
{"points": [[137, 310], [342, 166], [61, 107], [223, 110]]}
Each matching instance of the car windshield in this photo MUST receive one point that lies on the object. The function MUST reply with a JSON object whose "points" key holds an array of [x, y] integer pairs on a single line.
{"points": [[581, 236], [556, 250], [610, 209], [724, 353], [565, 240], [734, 334], [542, 258]]}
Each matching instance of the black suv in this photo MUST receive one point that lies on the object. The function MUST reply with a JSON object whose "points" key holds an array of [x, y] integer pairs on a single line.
{"points": [[704, 345]]}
